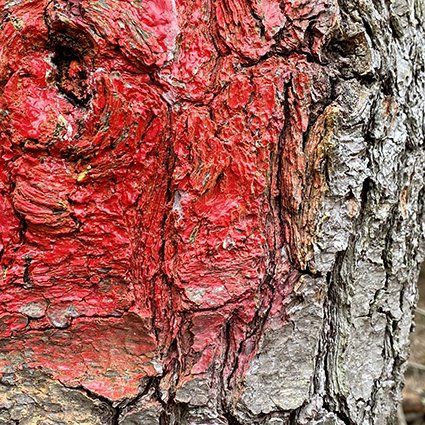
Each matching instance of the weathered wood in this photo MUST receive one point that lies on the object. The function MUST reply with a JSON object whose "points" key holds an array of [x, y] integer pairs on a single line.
{"points": [[211, 211]]}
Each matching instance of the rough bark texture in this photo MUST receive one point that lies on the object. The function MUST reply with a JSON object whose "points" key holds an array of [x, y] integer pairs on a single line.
{"points": [[211, 210]]}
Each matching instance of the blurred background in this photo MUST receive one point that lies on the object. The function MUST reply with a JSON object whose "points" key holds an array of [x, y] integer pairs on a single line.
{"points": [[414, 390]]}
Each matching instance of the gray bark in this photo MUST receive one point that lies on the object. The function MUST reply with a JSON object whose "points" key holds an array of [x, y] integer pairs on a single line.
{"points": [[341, 357]]}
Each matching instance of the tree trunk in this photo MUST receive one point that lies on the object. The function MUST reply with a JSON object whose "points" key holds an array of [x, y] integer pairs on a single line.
{"points": [[211, 211]]}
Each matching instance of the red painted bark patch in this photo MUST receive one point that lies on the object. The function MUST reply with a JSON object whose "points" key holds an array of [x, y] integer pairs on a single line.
{"points": [[152, 163]]}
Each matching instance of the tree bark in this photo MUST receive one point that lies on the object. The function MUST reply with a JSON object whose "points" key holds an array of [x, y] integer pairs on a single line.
{"points": [[211, 211]]}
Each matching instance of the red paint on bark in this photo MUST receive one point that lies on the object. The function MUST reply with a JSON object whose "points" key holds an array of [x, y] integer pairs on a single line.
{"points": [[152, 168]]}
